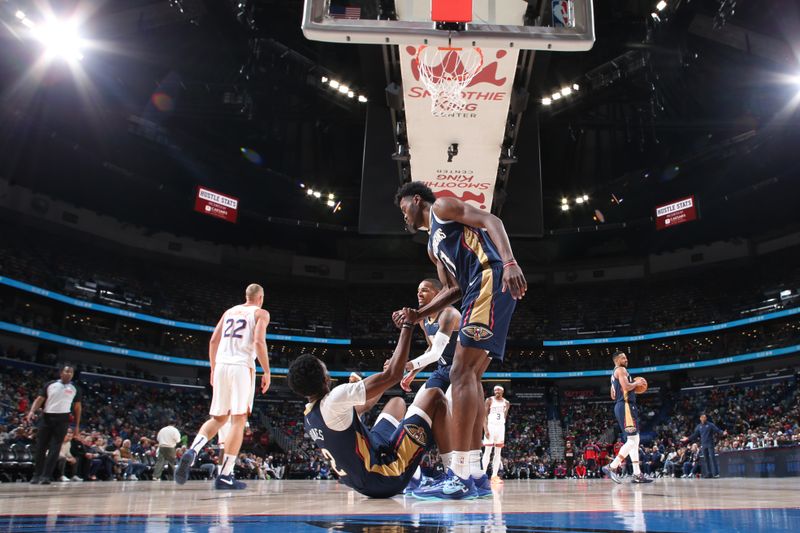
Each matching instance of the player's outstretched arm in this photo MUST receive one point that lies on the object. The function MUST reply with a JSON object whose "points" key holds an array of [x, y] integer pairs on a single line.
{"points": [[452, 209], [377, 384], [260, 344]]}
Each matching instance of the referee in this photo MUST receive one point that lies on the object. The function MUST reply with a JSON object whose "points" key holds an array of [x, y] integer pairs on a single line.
{"points": [[59, 398]]}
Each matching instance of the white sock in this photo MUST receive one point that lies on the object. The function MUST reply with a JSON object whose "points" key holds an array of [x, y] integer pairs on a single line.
{"points": [[228, 463], [460, 464], [496, 461], [199, 441], [475, 469], [417, 474], [487, 453], [635, 454], [447, 459]]}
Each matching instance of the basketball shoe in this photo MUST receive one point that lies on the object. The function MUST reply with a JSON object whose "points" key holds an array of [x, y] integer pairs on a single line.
{"points": [[616, 478], [483, 486], [451, 487], [184, 466], [641, 479], [229, 483]]}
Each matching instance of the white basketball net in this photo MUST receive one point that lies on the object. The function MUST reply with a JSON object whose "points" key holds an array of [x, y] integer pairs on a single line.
{"points": [[446, 72]]}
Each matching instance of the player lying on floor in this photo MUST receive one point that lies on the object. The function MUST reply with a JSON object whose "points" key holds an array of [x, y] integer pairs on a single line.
{"points": [[381, 461]]}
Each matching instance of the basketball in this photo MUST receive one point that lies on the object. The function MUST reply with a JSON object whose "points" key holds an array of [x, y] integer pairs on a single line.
{"points": [[641, 387]]}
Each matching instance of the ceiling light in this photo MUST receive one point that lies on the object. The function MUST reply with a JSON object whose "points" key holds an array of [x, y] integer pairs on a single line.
{"points": [[579, 200], [20, 15], [60, 38], [351, 94], [362, 99], [564, 207], [655, 17], [344, 89], [556, 96], [585, 197], [564, 201], [661, 5], [309, 192], [324, 79], [566, 91], [331, 203], [576, 87], [330, 196], [546, 101], [317, 194], [334, 84]]}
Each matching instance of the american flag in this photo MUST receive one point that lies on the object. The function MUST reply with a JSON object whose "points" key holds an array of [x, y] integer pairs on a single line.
{"points": [[345, 12]]}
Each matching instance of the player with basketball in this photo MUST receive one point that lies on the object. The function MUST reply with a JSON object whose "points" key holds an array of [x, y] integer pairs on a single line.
{"points": [[239, 338], [380, 461], [494, 430], [623, 392], [475, 264]]}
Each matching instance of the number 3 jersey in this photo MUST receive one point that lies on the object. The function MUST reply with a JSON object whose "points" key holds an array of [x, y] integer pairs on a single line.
{"points": [[377, 462], [236, 346]]}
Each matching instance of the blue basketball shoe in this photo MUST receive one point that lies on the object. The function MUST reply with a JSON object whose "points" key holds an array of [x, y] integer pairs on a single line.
{"points": [[451, 487], [229, 483], [616, 478], [184, 466], [483, 486]]}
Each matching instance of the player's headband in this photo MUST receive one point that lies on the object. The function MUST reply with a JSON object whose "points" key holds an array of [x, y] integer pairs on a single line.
{"points": [[498, 387]]}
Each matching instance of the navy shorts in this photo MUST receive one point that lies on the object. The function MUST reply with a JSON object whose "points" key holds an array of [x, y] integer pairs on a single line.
{"points": [[396, 453], [486, 313], [628, 417], [440, 378]]}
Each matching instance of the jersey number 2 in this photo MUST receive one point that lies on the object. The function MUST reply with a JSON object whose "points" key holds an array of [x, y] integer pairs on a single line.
{"points": [[327, 455], [230, 331]]}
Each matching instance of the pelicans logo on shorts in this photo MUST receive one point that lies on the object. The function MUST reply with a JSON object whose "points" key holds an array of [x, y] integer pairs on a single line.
{"points": [[417, 434], [477, 333]]}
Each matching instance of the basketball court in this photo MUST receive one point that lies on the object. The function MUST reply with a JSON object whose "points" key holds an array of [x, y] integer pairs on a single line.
{"points": [[576, 505]]}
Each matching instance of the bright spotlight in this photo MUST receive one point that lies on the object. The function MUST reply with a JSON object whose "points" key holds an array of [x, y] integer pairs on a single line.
{"points": [[661, 5], [556, 96], [350, 94], [585, 197], [324, 79], [344, 89], [317, 194], [579, 200], [331, 196], [334, 84], [546, 100], [309, 192], [60, 38], [566, 91], [20, 15], [564, 201], [362, 99], [576, 87], [565, 207], [331, 203], [655, 17]]}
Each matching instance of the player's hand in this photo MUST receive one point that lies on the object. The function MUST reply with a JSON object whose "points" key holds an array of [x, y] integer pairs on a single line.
{"points": [[411, 316], [405, 383], [266, 379], [397, 319], [29, 417], [514, 281]]}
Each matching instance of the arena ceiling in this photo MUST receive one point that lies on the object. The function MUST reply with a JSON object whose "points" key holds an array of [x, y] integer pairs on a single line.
{"points": [[226, 94]]}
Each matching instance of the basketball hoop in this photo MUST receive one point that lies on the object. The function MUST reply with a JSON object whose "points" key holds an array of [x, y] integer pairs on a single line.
{"points": [[446, 71]]}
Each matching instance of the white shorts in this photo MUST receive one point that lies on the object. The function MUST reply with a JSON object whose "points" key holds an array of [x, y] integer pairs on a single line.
{"points": [[234, 390], [497, 435]]}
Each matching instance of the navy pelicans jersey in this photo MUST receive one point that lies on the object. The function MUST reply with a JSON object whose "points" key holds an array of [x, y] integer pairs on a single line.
{"points": [[431, 327], [625, 408], [378, 463], [470, 256]]}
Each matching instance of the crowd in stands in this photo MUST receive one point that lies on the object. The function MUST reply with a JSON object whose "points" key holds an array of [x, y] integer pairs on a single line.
{"points": [[363, 312]]}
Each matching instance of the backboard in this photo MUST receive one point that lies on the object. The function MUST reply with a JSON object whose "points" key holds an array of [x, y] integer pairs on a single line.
{"points": [[559, 25]]}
